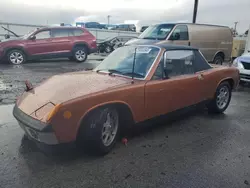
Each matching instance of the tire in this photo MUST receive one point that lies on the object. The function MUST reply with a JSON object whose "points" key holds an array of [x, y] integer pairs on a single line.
{"points": [[218, 60], [221, 99], [16, 57], [80, 54], [95, 132]]}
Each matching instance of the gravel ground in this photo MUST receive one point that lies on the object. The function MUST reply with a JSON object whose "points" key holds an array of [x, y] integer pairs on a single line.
{"points": [[196, 150]]}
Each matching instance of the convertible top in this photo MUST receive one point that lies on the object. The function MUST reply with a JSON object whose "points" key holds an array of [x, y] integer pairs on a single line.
{"points": [[175, 47]]}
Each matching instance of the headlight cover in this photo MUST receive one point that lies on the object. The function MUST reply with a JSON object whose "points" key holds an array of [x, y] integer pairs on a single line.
{"points": [[238, 64]]}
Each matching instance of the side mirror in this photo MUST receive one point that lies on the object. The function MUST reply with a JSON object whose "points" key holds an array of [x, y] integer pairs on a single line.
{"points": [[7, 36], [32, 37]]}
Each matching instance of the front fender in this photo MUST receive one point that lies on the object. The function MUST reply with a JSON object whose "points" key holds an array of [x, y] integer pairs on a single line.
{"points": [[101, 105]]}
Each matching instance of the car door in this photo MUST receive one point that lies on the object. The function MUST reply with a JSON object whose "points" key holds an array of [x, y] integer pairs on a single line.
{"points": [[41, 44], [62, 39], [175, 85], [180, 35]]}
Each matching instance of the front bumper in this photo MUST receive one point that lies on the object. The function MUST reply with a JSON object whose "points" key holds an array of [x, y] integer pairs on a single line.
{"points": [[35, 129], [244, 75]]}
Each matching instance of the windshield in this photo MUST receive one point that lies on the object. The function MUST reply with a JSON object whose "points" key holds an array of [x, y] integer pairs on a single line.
{"points": [[121, 60], [159, 32]]}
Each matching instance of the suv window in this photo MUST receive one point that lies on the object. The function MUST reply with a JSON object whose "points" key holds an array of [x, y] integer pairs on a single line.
{"points": [[182, 30], [77, 32], [60, 33], [43, 35], [178, 62]]}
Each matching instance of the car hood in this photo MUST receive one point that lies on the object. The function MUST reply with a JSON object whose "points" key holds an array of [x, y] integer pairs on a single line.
{"points": [[64, 87], [245, 57], [14, 39], [141, 41]]}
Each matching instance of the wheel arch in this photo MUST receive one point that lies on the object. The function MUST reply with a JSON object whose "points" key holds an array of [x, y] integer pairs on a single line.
{"points": [[229, 80], [7, 50], [122, 107], [80, 44], [219, 53]]}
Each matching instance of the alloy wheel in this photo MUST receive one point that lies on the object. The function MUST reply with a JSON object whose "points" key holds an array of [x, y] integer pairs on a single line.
{"points": [[16, 58], [80, 55], [222, 97], [110, 127]]}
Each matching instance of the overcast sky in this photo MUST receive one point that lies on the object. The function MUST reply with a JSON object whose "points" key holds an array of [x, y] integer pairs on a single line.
{"points": [[224, 12]]}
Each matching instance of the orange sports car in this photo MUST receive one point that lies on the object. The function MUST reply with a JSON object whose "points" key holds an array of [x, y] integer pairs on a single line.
{"points": [[131, 85]]}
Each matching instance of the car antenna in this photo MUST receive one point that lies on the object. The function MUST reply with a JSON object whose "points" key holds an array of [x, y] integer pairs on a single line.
{"points": [[133, 68]]}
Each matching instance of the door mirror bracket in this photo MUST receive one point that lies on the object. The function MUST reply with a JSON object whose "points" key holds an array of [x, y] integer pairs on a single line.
{"points": [[32, 37]]}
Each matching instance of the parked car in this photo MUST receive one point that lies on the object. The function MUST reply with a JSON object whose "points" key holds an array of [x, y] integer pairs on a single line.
{"points": [[125, 27], [243, 64], [50, 42], [91, 25], [143, 28], [133, 84], [111, 43], [215, 42]]}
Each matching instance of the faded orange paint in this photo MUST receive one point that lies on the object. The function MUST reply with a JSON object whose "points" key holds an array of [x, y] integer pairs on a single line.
{"points": [[81, 92]]}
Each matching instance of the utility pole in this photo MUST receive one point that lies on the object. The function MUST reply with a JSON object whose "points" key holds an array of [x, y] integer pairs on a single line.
{"points": [[235, 26], [108, 19], [195, 10]]}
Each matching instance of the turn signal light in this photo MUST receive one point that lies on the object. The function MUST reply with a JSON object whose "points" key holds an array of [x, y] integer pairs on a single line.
{"points": [[53, 112]]}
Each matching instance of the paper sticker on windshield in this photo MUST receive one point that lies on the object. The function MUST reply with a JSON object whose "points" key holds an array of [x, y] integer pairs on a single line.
{"points": [[145, 50]]}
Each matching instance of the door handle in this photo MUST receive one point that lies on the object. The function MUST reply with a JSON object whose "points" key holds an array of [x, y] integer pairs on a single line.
{"points": [[161, 90]]}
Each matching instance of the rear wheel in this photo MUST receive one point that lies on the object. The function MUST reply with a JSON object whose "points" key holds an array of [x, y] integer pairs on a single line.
{"points": [[16, 57], [218, 59], [221, 99], [80, 54], [100, 130]]}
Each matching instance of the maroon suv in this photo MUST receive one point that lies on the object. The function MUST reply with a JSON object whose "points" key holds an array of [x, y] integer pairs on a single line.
{"points": [[50, 42]]}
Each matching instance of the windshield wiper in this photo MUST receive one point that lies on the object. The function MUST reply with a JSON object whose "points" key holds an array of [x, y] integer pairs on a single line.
{"points": [[135, 74], [152, 38], [111, 71]]}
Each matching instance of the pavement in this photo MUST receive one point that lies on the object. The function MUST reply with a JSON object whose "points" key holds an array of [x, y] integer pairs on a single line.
{"points": [[12, 77], [196, 150]]}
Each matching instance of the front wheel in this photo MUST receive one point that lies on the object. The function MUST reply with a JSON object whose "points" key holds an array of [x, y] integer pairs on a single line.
{"points": [[221, 99], [16, 57], [100, 130], [80, 54]]}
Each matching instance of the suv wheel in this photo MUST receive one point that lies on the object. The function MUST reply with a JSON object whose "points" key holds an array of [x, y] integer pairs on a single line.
{"points": [[16, 57], [80, 54]]}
